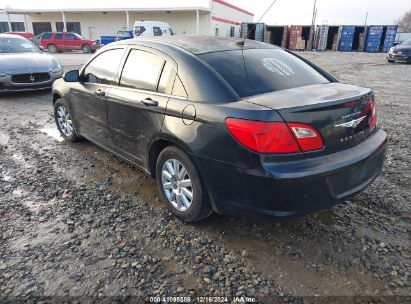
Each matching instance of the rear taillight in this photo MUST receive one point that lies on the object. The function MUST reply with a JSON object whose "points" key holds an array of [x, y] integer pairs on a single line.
{"points": [[373, 117], [274, 137], [307, 137]]}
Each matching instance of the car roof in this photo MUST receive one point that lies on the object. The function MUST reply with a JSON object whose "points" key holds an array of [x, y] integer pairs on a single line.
{"points": [[200, 44], [4, 35]]}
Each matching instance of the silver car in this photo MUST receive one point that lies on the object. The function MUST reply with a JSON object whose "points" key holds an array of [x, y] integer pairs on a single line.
{"points": [[24, 67]]}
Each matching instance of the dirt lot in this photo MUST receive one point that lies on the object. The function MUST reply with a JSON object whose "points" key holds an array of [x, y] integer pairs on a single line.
{"points": [[76, 222]]}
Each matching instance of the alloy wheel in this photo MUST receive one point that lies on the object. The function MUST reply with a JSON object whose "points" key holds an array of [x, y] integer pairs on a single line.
{"points": [[64, 121], [177, 184]]}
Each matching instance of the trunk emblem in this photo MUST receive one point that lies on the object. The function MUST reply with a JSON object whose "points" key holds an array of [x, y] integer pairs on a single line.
{"points": [[31, 78], [351, 124]]}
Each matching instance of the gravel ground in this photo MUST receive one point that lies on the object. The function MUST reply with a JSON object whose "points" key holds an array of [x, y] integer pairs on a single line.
{"points": [[78, 223]]}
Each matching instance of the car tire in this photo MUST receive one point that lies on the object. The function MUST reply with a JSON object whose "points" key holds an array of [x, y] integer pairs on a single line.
{"points": [[64, 122], [52, 48], [86, 48], [175, 189]]}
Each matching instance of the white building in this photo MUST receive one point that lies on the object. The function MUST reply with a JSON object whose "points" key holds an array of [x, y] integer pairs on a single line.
{"points": [[16, 23], [94, 19]]}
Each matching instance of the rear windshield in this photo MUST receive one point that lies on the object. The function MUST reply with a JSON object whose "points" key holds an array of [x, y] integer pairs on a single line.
{"points": [[258, 71]]}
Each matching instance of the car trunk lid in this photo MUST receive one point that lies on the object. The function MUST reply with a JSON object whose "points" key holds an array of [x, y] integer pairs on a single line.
{"points": [[340, 112]]}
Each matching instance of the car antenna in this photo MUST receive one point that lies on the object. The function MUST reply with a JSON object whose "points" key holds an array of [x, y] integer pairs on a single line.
{"points": [[241, 42]]}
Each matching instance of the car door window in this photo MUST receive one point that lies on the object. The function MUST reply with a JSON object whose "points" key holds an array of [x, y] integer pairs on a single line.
{"points": [[138, 30], [46, 36], [141, 70], [157, 31], [58, 36], [69, 36], [103, 68]]}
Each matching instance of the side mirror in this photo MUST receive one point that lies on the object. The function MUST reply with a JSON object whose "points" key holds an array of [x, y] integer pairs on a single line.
{"points": [[72, 76]]}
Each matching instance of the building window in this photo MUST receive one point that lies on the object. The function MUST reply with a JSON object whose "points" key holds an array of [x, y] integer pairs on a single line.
{"points": [[17, 26], [71, 27], [41, 27], [232, 29], [4, 27]]}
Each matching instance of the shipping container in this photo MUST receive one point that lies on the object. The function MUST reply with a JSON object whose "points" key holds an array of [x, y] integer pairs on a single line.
{"points": [[389, 39], [374, 38], [277, 35], [253, 31], [326, 37], [299, 38], [352, 38]]}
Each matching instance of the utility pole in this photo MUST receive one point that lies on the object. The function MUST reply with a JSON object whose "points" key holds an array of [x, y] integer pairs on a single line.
{"points": [[365, 31], [311, 42]]}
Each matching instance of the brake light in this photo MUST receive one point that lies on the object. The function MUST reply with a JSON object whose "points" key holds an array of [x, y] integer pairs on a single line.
{"points": [[373, 116], [264, 137], [274, 137], [307, 137]]}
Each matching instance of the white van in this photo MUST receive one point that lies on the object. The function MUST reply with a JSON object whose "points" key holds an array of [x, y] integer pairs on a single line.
{"points": [[151, 28]]}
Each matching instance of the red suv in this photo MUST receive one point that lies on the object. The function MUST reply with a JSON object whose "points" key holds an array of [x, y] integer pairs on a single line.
{"points": [[62, 41]]}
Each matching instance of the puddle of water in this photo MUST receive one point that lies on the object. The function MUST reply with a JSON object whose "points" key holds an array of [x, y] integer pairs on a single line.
{"points": [[36, 126], [4, 139], [325, 217], [18, 157], [54, 133], [129, 181], [35, 206], [17, 192]]}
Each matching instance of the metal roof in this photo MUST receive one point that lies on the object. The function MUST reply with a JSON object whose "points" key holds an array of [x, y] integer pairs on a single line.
{"points": [[39, 6]]}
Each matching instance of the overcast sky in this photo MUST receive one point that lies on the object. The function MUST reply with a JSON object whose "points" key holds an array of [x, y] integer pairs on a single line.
{"points": [[284, 12], [328, 11]]}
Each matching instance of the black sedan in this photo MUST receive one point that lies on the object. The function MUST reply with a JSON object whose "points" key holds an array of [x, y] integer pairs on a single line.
{"points": [[400, 52], [225, 126], [23, 66]]}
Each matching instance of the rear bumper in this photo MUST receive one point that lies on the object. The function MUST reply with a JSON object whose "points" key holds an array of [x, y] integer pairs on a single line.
{"points": [[295, 187]]}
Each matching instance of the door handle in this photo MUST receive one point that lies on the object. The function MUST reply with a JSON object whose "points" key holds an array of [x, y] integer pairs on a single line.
{"points": [[100, 92], [148, 102]]}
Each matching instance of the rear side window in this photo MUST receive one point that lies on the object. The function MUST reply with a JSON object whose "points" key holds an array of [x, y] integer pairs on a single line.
{"points": [[178, 89], [46, 36], [167, 79], [58, 36], [103, 67], [258, 71], [141, 70]]}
